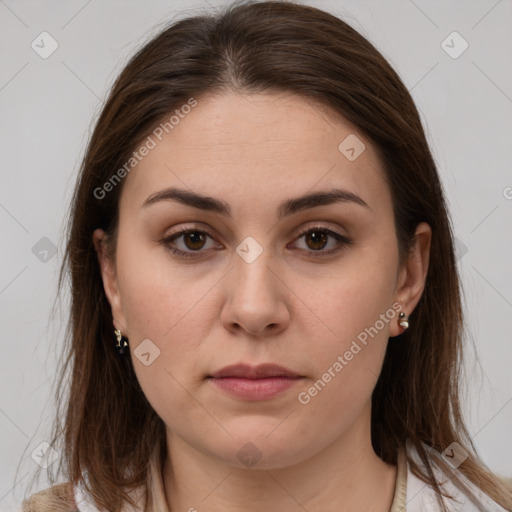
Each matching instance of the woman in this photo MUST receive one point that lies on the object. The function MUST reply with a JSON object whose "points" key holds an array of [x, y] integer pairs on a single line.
{"points": [[265, 302]]}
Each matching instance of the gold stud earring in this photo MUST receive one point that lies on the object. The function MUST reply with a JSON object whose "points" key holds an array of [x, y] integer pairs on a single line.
{"points": [[122, 342]]}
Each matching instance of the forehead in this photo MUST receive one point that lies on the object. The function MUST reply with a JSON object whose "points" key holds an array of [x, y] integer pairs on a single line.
{"points": [[258, 146]]}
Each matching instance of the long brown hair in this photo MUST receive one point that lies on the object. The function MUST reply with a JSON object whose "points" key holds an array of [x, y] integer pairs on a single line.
{"points": [[109, 428]]}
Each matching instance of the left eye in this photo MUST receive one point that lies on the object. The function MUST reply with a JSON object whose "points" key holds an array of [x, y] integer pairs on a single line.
{"points": [[316, 239]]}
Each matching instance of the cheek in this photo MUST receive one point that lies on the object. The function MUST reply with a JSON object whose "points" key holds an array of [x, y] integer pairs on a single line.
{"points": [[158, 297], [352, 299], [353, 316], [347, 366], [171, 309]]}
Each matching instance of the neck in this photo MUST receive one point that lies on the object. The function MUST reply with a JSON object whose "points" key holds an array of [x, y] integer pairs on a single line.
{"points": [[345, 476]]}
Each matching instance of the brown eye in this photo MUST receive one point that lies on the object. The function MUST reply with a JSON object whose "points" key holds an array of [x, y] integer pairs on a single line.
{"points": [[188, 243], [318, 239], [194, 240]]}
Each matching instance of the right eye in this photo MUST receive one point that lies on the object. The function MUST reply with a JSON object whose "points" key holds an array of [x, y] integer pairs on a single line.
{"points": [[193, 239]]}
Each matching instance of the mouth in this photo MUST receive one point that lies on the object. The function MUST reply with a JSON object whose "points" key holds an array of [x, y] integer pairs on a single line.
{"points": [[254, 383]]}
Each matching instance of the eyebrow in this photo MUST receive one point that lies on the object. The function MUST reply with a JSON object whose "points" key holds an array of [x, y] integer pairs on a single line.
{"points": [[288, 207]]}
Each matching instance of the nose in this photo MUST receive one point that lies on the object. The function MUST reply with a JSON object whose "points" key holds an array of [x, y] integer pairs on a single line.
{"points": [[256, 300]]}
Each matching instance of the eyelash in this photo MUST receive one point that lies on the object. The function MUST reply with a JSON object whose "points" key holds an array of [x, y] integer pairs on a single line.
{"points": [[343, 241]]}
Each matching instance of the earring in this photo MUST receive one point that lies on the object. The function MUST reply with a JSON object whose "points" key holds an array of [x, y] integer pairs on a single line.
{"points": [[122, 342], [403, 320]]}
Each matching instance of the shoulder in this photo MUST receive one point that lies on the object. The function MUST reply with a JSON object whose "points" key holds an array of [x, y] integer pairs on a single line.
{"points": [[464, 495], [59, 498]]}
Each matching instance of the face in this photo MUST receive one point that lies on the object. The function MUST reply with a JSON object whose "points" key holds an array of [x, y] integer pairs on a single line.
{"points": [[258, 277]]}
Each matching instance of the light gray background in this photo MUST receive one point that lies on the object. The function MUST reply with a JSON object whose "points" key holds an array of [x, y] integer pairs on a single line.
{"points": [[48, 106]]}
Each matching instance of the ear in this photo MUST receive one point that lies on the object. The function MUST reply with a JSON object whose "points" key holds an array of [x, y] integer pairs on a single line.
{"points": [[109, 278], [413, 275]]}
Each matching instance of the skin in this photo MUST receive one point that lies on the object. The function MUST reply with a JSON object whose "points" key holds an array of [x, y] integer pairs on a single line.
{"points": [[254, 151]]}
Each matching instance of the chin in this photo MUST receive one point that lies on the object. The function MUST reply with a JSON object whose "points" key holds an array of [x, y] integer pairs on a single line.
{"points": [[265, 449]]}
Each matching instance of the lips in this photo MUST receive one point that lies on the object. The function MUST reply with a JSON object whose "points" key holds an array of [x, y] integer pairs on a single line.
{"points": [[262, 371], [254, 383]]}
